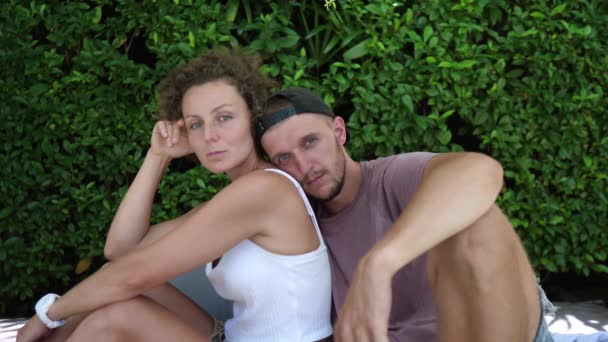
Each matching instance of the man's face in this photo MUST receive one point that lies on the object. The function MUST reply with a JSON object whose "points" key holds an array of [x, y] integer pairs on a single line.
{"points": [[309, 147]]}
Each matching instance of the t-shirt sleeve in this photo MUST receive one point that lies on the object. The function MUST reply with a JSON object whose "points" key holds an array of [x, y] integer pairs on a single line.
{"points": [[402, 178]]}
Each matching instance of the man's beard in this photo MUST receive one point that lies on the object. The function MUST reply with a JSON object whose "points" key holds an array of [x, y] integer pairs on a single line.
{"points": [[337, 187]]}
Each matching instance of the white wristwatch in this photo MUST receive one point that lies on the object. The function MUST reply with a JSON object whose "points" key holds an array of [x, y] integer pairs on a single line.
{"points": [[42, 308]]}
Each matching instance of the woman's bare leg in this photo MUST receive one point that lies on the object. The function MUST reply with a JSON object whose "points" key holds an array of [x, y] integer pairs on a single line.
{"points": [[166, 295], [136, 319], [183, 307], [62, 333]]}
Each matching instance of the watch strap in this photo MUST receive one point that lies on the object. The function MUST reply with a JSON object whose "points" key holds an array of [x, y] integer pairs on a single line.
{"points": [[42, 308]]}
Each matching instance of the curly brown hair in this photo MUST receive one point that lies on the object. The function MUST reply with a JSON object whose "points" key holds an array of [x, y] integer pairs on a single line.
{"points": [[234, 67]]}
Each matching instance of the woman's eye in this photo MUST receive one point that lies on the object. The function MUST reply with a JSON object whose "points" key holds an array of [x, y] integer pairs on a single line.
{"points": [[195, 125], [225, 117]]}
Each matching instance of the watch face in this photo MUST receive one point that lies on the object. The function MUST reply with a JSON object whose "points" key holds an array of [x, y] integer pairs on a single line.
{"points": [[46, 301]]}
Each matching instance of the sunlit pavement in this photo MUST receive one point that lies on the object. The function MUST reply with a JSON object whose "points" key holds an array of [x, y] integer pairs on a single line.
{"points": [[570, 318], [578, 318], [8, 328]]}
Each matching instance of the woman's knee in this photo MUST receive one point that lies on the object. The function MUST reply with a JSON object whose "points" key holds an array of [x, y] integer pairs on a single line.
{"points": [[112, 320]]}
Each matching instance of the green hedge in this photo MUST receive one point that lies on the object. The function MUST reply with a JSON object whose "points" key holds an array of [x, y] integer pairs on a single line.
{"points": [[521, 81]]}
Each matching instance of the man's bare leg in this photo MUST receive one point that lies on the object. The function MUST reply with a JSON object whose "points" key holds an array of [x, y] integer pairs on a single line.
{"points": [[483, 284]]}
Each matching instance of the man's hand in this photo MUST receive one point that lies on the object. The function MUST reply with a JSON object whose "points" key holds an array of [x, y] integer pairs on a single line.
{"points": [[32, 331], [365, 313]]}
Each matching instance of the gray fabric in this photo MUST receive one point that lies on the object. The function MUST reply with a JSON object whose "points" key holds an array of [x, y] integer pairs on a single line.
{"points": [[196, 286]]}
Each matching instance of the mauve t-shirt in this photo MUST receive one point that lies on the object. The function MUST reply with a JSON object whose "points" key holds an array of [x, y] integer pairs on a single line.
{"points": [[387, 185]]}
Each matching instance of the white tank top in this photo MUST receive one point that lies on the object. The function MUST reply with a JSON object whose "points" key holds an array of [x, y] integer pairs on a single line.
{"points": [[275, 297]]}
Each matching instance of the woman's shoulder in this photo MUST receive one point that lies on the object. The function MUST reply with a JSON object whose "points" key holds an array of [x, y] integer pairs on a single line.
{"points": [[265, 185], [265, 200]]}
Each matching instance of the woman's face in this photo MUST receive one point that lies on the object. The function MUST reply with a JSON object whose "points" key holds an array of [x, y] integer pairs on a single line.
{"points": [[218, 123]]}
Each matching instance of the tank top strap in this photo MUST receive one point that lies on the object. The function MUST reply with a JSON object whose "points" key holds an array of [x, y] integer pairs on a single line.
{"points": [[311, 212]]}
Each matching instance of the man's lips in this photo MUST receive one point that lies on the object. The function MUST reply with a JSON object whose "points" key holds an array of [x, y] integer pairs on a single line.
{"points": [[314, 180]]}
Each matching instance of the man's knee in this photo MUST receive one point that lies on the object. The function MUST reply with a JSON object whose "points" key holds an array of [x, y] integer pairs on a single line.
{"points": [[477, 251]]}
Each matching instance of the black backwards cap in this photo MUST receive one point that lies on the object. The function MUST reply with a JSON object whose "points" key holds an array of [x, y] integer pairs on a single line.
{"points": [[301, 100]]}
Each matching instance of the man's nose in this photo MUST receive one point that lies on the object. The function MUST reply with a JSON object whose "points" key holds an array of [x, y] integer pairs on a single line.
{"points": [[303, 165]]}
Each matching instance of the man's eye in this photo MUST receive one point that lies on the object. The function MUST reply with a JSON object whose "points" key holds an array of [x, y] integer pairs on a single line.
{"points": [[309, 141]]}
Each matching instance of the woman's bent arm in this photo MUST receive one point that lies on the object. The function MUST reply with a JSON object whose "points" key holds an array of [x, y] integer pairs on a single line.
{"points": [[232, 216], [132, 220]]}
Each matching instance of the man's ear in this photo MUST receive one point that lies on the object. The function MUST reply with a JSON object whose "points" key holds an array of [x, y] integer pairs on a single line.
{"points": [[340, 130]]}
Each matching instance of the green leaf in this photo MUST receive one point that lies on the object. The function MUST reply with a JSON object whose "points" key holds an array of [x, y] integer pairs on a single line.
{"points": [[5, 212], [538, 15], [586, 31], [201, 183], [465, 64], [298, 74], [444, 137], [97, 18], [447, 114], [407, 101], [588, 161], [374, 9], [549, 265], [184, 48], [600, 268], [526, 33], [38, 89], [232, 8], [289, 41], [316, 31], [421, 122], [191, 39], [409, 16], [332, 43], [357, 51], [428, 32], [558, 9]]}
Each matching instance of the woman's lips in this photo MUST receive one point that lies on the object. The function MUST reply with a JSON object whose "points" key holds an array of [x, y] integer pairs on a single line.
{"points": [[215, 154]]}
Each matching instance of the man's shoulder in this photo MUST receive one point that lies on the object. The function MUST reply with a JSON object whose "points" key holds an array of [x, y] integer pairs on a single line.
{"points": [[399, 161]]}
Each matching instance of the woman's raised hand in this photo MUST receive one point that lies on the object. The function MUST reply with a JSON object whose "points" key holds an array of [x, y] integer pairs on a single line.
{"points": [[169, 139]]}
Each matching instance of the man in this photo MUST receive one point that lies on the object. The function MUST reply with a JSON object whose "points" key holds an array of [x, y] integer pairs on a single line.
{"points": [[419, 250]]}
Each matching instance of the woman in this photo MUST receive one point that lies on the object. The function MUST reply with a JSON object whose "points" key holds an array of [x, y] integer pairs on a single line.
{"points": [[272, 262]]}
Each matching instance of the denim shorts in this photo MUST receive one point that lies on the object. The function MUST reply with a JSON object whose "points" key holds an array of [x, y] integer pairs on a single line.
{"points": [[543, 334]]}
